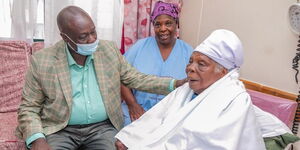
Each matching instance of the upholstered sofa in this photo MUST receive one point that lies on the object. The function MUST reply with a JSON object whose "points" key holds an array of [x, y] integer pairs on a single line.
{"points": [[14, 61]]}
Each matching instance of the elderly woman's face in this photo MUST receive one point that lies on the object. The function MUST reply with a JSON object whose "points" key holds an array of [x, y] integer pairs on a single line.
{"points": [[202, 72], [165, 29]]}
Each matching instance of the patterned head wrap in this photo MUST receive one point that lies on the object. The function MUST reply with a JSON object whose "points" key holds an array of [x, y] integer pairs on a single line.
{"points": [[162, 8], [224, 47]]}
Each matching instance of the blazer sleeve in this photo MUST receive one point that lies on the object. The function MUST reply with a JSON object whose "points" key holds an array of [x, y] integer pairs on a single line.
{"points": [[32, 99], [136, 80]]}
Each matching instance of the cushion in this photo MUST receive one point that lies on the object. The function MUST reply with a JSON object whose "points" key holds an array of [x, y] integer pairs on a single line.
{"points": [[283, 109], [8, 140], [14, 59]]}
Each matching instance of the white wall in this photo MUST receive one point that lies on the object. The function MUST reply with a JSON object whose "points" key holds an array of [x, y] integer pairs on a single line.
{"points": [[269, 44]]}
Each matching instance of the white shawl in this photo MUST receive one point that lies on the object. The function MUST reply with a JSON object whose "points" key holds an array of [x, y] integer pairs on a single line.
{"points": [[220, 118]]}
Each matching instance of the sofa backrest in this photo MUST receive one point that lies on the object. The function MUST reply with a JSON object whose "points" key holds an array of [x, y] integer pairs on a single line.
{"points": [[14, 60], [282, 108]]}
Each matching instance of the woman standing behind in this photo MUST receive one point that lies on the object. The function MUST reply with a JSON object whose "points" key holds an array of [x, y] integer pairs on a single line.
{"points": [[163, 55]]}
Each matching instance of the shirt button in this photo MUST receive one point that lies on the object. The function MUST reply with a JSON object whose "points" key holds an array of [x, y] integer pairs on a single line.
{"points": [[88, 102], [85, 86]]}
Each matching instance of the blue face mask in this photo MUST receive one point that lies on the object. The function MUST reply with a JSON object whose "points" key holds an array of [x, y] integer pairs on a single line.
{"points": [[84, 49]]}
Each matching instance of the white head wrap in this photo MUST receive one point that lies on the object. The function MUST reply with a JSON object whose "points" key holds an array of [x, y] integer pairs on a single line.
{"points": [[224, 47]]}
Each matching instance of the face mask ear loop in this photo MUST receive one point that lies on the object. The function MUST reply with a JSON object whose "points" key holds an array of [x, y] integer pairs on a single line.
{"points": [[71, 41], [69, 38]]}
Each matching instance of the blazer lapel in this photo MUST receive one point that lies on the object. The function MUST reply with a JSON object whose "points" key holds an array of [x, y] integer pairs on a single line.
{"points": [[100, 68], [63, 74]]}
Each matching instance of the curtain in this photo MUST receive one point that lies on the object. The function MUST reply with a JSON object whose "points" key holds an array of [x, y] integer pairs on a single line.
{"points": [[137, 19], [106, 14], [5, 18], [23, 19]]}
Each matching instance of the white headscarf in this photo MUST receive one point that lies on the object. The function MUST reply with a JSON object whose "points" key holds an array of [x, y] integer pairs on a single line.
{"points": [[224, 47]]}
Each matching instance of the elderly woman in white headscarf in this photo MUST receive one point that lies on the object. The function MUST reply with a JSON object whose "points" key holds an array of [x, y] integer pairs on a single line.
{"points": [[212, 111]]}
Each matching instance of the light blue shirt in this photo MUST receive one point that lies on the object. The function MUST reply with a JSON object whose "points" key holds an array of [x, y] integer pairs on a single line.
{"points": [[87, 106]]}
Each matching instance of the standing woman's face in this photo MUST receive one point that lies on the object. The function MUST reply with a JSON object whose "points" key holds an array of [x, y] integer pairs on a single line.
{"points": [[165, 29]]}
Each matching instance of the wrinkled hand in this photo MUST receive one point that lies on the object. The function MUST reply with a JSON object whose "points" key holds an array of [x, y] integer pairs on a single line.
{"points": [[120, 146], [40, 144], [135, 111], [180, 82]]}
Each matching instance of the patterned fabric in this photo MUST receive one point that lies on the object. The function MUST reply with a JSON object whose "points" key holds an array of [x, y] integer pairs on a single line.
{"points": [[37, 46], [162, 8], [8, 140], [14, 58], [137, 19], [47, 94]]}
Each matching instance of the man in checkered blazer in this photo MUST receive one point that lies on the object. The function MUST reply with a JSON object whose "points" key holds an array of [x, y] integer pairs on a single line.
{"points": [[71, 97]]}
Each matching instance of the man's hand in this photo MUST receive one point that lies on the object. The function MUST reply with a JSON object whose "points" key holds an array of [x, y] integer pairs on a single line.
{"points": [[120, 145], [135, 111], [40, 144], [179, 83]]}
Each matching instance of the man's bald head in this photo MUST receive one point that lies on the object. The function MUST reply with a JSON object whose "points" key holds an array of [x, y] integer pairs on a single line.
{"points": [[68, 17], [76, 26]]}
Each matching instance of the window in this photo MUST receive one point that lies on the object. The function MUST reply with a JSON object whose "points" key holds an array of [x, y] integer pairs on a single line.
{"points": [[5, 20], [25, 19], [6, 11], [39, 31]]}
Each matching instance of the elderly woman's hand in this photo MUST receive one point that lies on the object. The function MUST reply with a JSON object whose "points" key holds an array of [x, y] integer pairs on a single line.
{"points": [[120, 145]]}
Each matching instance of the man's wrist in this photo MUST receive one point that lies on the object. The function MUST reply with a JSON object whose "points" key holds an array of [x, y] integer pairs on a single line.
{"points": [[39, 140], [131, 104], [33, 138]]}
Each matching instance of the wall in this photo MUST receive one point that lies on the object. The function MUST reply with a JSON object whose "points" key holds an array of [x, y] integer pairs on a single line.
{"points": [[269, 44]]}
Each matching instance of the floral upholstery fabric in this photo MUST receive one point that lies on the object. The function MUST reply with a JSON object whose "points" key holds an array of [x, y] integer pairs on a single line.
{"points": [[8, 140], [14, 59]]}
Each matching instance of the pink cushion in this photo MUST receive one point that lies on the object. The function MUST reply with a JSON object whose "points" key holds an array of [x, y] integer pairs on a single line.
{"points": [[8, 140], [14, 62], [282, 108]]}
